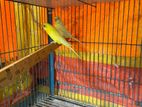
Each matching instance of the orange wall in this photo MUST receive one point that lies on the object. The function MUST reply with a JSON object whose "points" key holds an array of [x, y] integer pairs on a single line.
{"points": [[103, 25], [7, 29], [14, 22], [88, 25]]}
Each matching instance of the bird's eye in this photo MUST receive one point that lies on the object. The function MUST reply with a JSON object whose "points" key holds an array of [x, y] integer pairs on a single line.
{"points": [[44, 25]]}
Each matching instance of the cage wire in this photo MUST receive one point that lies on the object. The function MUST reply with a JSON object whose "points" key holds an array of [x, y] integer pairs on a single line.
{"points": [[108, 73]]}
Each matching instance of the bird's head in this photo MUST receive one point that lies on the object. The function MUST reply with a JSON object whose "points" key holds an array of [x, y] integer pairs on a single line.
{"points": [[46, 26], [57, 19]]}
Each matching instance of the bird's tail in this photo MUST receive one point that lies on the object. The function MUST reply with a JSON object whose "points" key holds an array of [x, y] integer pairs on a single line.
{"points": [[75, 52], [76, 39]]}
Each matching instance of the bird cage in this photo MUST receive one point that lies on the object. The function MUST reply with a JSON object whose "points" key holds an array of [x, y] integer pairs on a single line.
{"points": [[38, 71]]}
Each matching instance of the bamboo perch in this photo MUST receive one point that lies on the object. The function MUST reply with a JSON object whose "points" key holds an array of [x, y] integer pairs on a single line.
{"points": [[10, 72]]}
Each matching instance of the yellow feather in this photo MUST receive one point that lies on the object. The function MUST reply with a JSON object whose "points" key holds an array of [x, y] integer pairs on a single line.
{"points": [[56, 36]]}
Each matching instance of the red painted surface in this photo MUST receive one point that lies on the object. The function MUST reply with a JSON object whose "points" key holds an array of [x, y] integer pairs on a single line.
{"points": [[123, 80]]}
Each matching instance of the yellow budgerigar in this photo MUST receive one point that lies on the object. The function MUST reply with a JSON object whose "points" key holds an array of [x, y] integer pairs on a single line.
{"points": [[56, 36], [62, 29]]}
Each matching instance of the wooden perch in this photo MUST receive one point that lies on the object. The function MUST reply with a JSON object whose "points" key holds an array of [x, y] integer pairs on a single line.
{"points": [[10, 72]]}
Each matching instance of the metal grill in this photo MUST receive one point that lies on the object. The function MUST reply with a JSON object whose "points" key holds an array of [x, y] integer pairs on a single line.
{"points": [[108, 73]]}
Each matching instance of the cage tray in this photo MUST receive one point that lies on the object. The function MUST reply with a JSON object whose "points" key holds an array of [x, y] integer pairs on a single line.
{"points": [[59, 102]]}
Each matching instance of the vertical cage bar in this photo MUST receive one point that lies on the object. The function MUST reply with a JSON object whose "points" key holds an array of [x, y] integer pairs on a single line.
{"points": [[138, 89], [112, 46], [131, 45], [51, 59], [127, 23], [107, 45], [121, 48], [94, 94]]}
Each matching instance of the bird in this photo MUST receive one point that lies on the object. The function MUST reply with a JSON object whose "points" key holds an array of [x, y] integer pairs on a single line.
{"points": [[56, 36], [62, 29]]}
